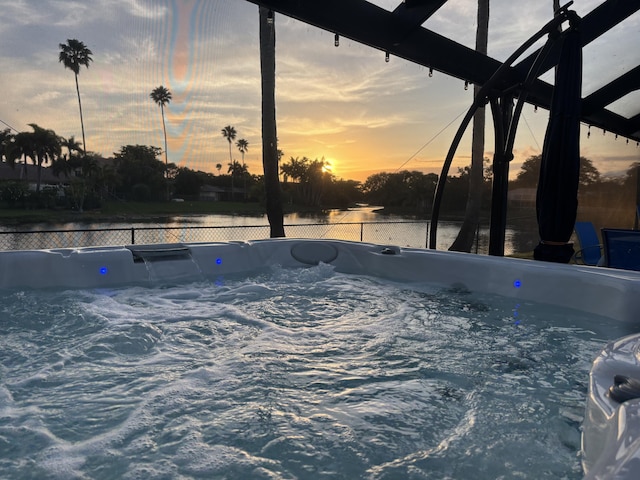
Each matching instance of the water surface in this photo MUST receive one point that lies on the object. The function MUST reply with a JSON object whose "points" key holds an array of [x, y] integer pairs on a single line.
{"points": [[291, 374], [357, 224]]}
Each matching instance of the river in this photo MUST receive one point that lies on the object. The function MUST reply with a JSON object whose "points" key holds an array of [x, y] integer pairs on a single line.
{"points": [[361, 223]]}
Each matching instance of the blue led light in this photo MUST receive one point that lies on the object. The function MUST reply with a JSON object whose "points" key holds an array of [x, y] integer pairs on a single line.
{"points": [[516, 314], [103, 270], [517, 284], [218, 261]]}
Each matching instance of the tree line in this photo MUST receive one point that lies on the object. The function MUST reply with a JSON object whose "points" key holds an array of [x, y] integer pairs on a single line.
{"points": [[413, 191], [137, 173]]}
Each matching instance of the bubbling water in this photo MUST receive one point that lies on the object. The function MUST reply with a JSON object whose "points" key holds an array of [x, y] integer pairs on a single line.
{"points": [[291, 374]]}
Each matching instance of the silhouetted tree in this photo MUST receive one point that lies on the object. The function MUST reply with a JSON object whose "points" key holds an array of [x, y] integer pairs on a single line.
{"points": [[270, 157], [188, 182], [162, 96], [229, 133], [73, 55], [243, 146], [406, 189], [530, 173], [141, 175], [45, 148], [6, 145]]}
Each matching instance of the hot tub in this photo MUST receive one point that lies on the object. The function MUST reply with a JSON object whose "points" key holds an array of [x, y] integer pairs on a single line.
{"points": [[611, 430]]}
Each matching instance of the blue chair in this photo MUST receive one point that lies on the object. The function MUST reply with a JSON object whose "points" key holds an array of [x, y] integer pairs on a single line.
{"points": [[621, 248], [590, 249]]}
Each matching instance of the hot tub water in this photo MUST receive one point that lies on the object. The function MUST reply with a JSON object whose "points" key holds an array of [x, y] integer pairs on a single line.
{"points": [[302, 373]]}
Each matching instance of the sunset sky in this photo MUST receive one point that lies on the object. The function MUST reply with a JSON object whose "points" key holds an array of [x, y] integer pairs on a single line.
{"points": [[346, 104]]}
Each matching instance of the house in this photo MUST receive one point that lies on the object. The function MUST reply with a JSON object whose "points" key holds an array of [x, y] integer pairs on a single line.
{"points": [[29, 173], [212, 194], [522, 197]]}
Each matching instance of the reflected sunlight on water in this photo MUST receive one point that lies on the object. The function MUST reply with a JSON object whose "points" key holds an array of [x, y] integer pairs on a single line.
{"points": [[357, 224]]}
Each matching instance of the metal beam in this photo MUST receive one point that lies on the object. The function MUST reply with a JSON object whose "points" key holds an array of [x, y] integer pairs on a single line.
{"points": [[420, 3], [618, 88], [371, 25], [612, 122], [593, 25], [397, 34], [418, 11], [413, 13], [376, 27], [634, 128]]}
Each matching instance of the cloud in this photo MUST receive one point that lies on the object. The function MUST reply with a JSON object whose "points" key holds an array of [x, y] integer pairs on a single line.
{"points": [[18, 14], [346, 103], [145, 9]]}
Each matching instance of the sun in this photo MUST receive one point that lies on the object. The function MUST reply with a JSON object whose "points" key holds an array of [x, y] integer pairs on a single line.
{"points": [[329, 166]]}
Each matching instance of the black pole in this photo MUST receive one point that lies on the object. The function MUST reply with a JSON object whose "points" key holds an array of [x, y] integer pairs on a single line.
{"points": [[480, 99], [502, 110]]}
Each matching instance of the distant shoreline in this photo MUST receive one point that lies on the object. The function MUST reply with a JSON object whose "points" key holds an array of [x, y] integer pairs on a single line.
{"points": [[154, 212], [127, 212], [123, 212]]}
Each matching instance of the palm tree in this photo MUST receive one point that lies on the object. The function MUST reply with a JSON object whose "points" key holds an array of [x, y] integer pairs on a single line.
{"points": [[269, 134], [229, 133], [243, 146], [23, 145], [162, 97], [234, 169], [7, 140], [45, 145], [295, 169], [74, 54], [69, 162], [218, 167], [464, 240], [71, 144]]}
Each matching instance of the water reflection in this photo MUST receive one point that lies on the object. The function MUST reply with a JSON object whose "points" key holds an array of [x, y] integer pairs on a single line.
{"points": [[358, 224]]}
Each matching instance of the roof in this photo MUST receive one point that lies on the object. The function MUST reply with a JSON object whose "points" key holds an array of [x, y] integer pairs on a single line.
{"points": [[402, 32], [17, 173]]}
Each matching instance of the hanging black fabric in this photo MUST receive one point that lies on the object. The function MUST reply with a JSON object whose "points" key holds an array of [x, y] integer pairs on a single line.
{"points": [[557, 194]]}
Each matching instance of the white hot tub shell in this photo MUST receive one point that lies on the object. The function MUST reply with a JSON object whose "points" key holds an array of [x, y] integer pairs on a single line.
{"points": [[611, 430]]}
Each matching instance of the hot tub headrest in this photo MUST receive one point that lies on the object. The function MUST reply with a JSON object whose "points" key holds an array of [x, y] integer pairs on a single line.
{"points": [[312, 253]]}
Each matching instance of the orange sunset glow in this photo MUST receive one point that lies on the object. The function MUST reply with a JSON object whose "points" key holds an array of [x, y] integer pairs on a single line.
{"points": [[345, 104]]}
